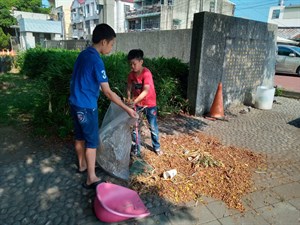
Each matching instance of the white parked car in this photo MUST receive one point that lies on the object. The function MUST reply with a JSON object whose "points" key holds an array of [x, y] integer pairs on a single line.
{"points": [[288, 59]]}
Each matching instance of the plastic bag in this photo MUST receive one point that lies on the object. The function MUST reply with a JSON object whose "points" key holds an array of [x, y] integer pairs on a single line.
{"points": [[113, 153]]}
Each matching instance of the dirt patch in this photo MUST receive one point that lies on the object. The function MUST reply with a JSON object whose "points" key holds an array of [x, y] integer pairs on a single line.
{"points": [[204, 166]]}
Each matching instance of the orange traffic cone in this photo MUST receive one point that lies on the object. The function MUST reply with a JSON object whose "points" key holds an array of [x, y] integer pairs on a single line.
{"points": [[217, 109]]}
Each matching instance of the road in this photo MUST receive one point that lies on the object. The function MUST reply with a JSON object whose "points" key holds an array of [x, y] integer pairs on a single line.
{"points": [[288, 82]]}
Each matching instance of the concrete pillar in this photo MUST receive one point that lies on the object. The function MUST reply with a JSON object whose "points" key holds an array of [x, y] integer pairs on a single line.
{"points": [[29, 40], [239, 53], [109, 17]]}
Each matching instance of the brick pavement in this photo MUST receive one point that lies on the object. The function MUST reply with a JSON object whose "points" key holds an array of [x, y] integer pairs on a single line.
{"points": [[41, 187], [287, 82]]}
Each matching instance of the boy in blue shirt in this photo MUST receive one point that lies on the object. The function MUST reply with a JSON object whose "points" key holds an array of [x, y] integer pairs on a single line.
{"points": [[88, 78]]}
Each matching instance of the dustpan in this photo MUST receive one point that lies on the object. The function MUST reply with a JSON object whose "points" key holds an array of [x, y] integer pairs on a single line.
{"points": [[114, 203]]}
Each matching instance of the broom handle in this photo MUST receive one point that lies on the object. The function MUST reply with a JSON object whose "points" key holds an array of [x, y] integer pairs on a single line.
{"points": [[137, 140], [136, 132]]}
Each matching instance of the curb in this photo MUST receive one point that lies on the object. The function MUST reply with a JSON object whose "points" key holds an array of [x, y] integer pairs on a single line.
{"points": [[290, 94]]}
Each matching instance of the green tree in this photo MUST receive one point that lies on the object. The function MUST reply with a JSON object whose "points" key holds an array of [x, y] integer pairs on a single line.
{"points": [[7, 20], [4, 39]]}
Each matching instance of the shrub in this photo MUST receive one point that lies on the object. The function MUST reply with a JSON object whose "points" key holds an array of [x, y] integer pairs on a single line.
{"points": [[53, 67], [6, 63]]}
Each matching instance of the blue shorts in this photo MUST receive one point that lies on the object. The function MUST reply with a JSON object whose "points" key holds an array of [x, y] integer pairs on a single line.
{"points": [[85, 125]]}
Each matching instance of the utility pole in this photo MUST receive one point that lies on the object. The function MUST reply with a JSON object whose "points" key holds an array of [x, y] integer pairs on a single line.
{"points": [[201, 6], [187, 14], [216, 5]]}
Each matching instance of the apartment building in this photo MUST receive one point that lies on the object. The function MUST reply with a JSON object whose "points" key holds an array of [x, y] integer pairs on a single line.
{"points": [[62, 12], [140, 15], [172, 14], [86, 14], [287, 19], [120, 10]]}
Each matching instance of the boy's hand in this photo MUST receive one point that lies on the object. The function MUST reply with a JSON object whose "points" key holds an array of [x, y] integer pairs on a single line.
{"points": [[133, 113], [129, 102]]}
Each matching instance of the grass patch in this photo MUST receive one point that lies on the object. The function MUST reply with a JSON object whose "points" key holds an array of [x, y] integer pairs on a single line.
{"points": [[278, 91], [18, 98]]}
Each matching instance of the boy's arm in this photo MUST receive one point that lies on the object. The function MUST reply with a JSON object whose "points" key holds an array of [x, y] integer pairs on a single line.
{"points": [[112, 96], [142, 95]]}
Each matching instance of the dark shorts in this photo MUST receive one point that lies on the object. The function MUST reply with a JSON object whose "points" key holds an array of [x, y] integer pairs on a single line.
{"points": [[86, 125]]}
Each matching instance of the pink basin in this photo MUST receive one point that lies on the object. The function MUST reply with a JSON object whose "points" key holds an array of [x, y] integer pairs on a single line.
{"points": [[114, 203]]}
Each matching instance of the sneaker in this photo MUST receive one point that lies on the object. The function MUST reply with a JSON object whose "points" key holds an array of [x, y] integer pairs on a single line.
{"points": [[159, 152]]}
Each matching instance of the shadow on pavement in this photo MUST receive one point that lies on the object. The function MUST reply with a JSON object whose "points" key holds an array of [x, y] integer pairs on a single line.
{"points": [[41, 186], [295, 122], [180, 124]]}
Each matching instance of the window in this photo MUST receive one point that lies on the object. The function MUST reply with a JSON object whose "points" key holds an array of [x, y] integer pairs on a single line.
{"points": [[275, 14], [126, 8], [212, 6], [80, 11], [87, 9], [92, 9], [284, 51], [131, 24], [99, 8]]}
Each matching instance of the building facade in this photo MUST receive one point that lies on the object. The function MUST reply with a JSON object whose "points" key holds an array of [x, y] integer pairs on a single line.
{"points": [[34, 28], [86, 14], [140, 15], [172, 14], [287, 18], [61, 11], [184, 10]]}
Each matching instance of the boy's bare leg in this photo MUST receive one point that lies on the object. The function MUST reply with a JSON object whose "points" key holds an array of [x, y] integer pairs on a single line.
{"points": [[90, 155], [80, 150]]}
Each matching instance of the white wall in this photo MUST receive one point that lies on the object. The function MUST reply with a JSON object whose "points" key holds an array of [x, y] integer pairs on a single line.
{"points": [[166, 43], [109, 16], [288, 17], [185, 12], [27, 40]]}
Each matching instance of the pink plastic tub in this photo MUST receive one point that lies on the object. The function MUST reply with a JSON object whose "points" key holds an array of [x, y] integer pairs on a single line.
{"points": [[114, 203]]}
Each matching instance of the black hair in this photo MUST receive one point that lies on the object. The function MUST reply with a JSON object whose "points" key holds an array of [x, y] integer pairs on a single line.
{"points": [[103, 32], [135, 54]]}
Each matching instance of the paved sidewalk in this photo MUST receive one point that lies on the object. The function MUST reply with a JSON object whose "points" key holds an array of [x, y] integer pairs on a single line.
{"points": [[41, 187], [288, 82]]}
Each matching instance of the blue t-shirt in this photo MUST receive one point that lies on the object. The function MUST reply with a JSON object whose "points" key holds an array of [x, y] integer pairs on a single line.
{"points": [[88, 73]]}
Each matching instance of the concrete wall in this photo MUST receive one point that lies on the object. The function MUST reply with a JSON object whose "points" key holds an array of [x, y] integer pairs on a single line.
{"points": [[169, 43], [239, 53]]}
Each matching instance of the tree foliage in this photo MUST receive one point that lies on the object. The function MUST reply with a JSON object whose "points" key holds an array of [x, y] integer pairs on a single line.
{"points": [[7, 20], [4, 39]]}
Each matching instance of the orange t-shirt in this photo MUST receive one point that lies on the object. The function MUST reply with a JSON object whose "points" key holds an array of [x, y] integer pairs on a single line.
{"points": [[137, 86]]}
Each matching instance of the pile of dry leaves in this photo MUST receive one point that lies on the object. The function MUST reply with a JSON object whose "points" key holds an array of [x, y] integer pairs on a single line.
{"points": [[204, 167]]}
